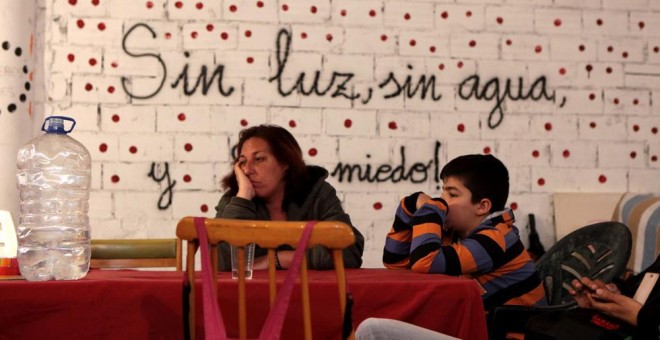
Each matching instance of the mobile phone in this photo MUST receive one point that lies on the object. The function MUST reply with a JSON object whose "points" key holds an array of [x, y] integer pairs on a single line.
{"points": [[644, 290]]}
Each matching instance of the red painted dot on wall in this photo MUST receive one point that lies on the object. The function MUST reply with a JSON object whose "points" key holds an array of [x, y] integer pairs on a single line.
{"points": [[244, 122], [73, 2], [641, 25], [328, 37], [412, 42], [536, 153], [133, 149], [95, 2], [633, 154], [472, 43], [342, 12], [599, 22], [249, 60], [101, 26], [581, 48], [111, 89], [468, 14], [499, 20], [80, 23], [292, 123], [372, 13], [547, 126], [656, 49], [616, 101], [187, 178], [89, 87], [233, 8], [92, 62], [624, 55], [541, 181], [392, 125], [193, 34], [589, 68], [635, 101], [285, 7], [378, 206], [303, 35], [407, 16], [441, 67], [199, 5], [210, 27], [486, 150], [444, 15], [348, 123], [654, 158], [592, 96], [608, 70], [460, 127], [115, 118], [168, 35], [610, 49], [260, 4], [538, 49], [508, 42], [204, 208], [114, 179], [224, 36], [432, 49], [248, 33], [635, 127], [181, 116], [188, 147], [592, 125], [654, 130], [103, 147], [562, 71], [71, 57], [383, 37], [602, 178], [150, 4], [459, 64], [312, 152], [514, 206], [313, 9], [557, 22], [566, 153]]}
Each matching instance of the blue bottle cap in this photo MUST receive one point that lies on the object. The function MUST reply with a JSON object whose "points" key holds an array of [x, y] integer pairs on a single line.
{"points": [[56, 125]]}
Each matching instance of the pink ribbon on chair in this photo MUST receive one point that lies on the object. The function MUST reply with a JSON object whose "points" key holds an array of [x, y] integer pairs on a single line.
{"points": [[214, 326]]}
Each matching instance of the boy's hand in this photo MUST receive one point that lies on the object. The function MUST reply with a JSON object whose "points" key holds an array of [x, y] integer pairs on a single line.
{"points": [[421, 199]]}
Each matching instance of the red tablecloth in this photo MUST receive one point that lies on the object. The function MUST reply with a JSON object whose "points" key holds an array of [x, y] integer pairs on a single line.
{"points": [[148, 305]]}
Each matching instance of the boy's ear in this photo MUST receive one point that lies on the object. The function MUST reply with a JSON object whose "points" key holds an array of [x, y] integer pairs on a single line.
{"points": [[484, 206]]}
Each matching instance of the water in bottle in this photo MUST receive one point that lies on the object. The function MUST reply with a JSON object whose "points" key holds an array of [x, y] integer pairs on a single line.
{"points": [[54, 174]]}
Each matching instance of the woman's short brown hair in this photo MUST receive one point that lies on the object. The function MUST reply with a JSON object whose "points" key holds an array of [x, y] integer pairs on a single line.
{"points": [[286, 150]]}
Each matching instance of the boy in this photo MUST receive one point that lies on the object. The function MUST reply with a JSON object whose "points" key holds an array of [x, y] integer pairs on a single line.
{"points": [[475, 190]]}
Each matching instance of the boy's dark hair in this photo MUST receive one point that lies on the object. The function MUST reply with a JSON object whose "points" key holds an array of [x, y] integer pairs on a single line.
{"points": [[286, 150], [484, 175]]}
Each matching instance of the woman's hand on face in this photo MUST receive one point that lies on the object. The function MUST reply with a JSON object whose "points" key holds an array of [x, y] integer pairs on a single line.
{"points": [[245, 188]]}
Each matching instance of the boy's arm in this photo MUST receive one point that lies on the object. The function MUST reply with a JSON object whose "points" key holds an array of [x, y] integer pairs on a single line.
{"points": [[396, 254], [427, 255]]}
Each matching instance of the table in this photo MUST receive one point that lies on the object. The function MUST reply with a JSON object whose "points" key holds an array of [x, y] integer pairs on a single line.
{"points": [[148, 304]]}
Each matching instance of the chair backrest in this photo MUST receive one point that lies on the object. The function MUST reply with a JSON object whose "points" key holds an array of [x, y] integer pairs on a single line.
{"points": [[598, 251], [333, 235], [136, 253]]}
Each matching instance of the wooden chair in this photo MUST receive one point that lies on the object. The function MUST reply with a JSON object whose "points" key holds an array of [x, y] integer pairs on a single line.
{"points": [[136, 253], [269, 235]]}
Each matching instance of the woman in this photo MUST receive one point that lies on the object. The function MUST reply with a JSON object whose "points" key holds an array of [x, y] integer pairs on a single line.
{"points": [[270, 181]]}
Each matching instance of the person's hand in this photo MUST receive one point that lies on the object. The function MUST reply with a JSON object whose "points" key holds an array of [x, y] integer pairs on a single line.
{"points": [[584, 288], [616, 305], [245, 188], [260, 263], [421, 199]]}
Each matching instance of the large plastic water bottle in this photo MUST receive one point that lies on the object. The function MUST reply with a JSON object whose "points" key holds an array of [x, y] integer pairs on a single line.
{"points": [[54, 174]]}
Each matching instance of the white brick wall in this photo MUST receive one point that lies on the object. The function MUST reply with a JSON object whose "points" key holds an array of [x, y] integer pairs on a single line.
{"points": [[599, 59]]}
